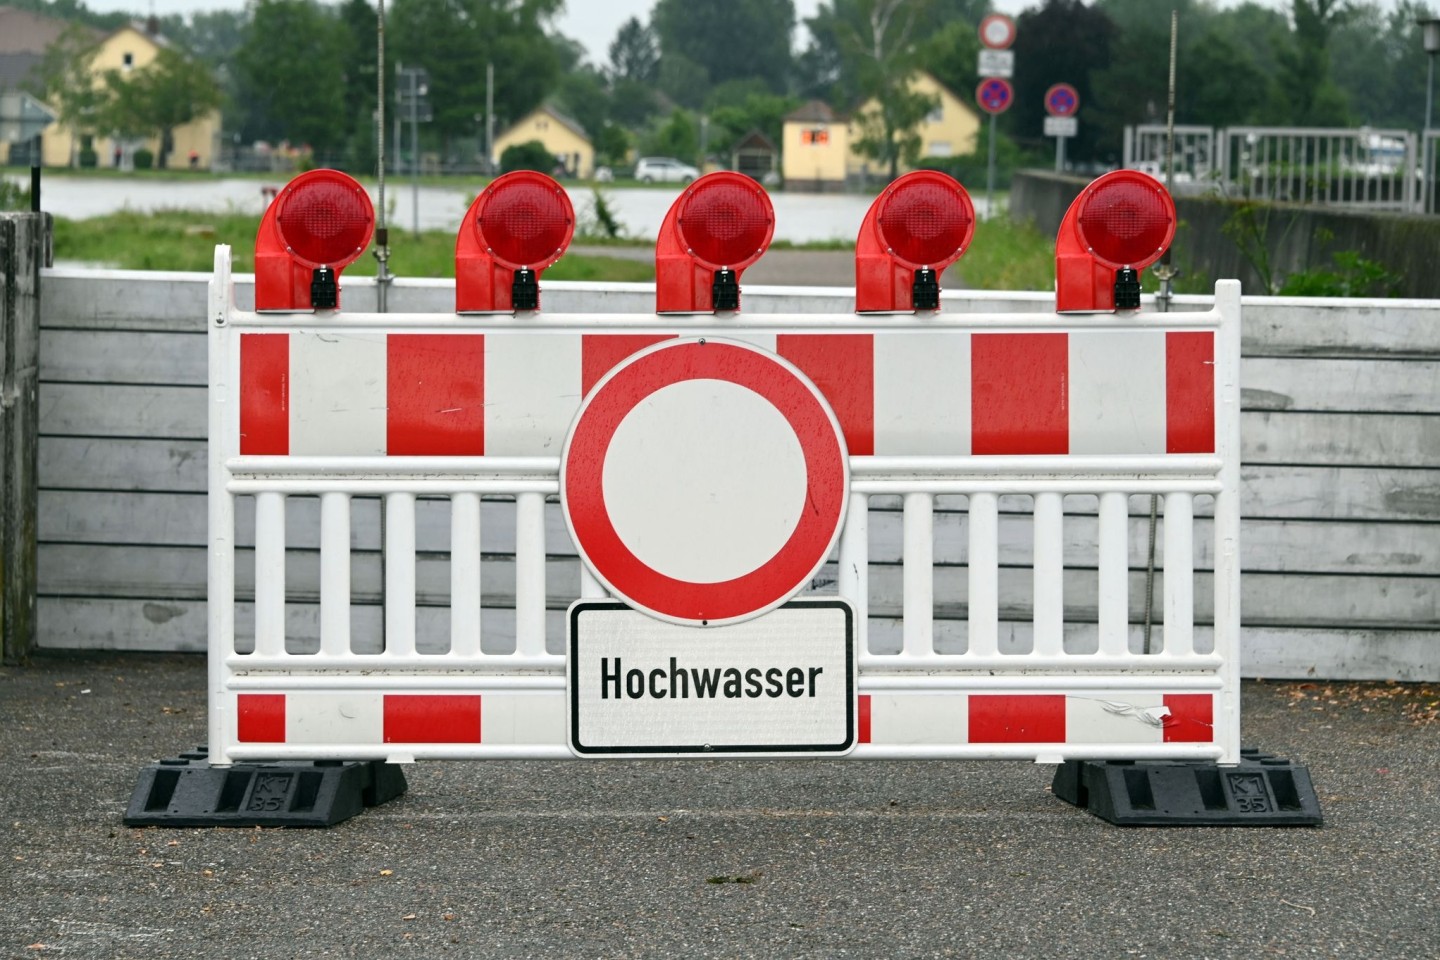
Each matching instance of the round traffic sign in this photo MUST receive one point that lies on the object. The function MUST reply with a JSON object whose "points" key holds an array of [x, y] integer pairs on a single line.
{"points": [[1062, 100], [704, 481], [994, 95], [997, 31]]}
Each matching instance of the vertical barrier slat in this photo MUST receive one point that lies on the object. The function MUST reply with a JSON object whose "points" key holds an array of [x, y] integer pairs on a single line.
{"points": [[984, 574], [334, 574], [1179, 574], [918, 566], [1049, 570], [1114, 574], [224, 429], [855, 565], [1227, 516], [269, 574], [530, 574], [400, 574], [465, 575]]}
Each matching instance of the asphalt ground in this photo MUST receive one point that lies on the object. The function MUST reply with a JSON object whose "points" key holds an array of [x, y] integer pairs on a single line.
{"points": [[706, 858]]}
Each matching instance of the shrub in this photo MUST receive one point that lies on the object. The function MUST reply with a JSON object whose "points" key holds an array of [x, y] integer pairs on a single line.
{"points": [[144, 159], [89, 158], [530, 155]]}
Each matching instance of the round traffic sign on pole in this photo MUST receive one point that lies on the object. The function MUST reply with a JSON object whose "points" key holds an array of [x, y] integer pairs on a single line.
{"points": [[704, 481], [1062, 100], [994, 95], [997, 31]]}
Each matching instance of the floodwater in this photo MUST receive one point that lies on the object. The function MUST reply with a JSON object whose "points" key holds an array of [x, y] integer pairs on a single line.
{"points": [[799, 217]]}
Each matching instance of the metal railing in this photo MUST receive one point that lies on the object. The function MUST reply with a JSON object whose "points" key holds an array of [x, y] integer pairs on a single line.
{"points": [[1380, 169]]}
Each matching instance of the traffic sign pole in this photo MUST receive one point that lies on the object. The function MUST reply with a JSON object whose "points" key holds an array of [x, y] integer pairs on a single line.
{"points": [[990, 174]]}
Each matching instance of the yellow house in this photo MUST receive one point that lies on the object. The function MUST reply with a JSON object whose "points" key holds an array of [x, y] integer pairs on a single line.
{"points": [[814, 149], [126, 50], [819, 145], [952, 129], [562, 136]]}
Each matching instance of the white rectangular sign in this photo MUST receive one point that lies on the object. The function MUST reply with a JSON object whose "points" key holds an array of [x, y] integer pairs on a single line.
{"points": [[997, 63], [780, 684], [1061, 126]]}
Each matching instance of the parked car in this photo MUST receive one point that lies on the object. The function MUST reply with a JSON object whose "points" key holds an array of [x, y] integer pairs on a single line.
{"points": [[664, 170]]}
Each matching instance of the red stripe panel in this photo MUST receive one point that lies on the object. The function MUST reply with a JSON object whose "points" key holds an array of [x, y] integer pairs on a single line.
{"points": [[601, 351], [432, 719], [435, 394], [1192, 718], [1189, 392], [843, 367], [265, 393], [261, 717], [1020, 718], [862, 735], [1018, 394]]}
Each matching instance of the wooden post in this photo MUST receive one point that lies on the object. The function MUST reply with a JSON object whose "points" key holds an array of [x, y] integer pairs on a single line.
{"points": [[22, 246]]}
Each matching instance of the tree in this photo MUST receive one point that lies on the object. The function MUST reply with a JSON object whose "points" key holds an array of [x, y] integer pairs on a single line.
{"points": [[454, 40], [1062, 42], [1305, 84], [290, 75], [723, 40], [633, 54], [740, 106], [166, 93], [867, 53], [65, 78]]}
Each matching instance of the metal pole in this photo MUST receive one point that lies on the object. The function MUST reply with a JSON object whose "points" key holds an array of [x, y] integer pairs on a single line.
{"points": [[415, 151], [1166, 274], [1060, 154], [36, 147], [1425, 150], [990, 175], [382, 233], [490, 119]]}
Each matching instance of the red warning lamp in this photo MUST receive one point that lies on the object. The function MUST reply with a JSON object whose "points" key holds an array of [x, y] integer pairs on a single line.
{"points": [[519, 225], [1119, 225], [920, 225], [315, 227], [720, 225]]}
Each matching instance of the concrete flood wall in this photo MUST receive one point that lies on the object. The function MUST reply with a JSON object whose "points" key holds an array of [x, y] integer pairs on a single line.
{"points": [[24, 239], [1341, 480], [1296, 238]]}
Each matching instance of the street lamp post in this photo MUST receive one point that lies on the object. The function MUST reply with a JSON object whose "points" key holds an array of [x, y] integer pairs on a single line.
{"points": [[1430, 37]]}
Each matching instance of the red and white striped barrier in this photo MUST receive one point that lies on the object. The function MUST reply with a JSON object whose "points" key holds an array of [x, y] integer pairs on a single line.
{"points": [[322, 392], [409, 407]]}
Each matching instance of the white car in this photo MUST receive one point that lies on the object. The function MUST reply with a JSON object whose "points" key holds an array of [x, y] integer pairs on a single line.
{"points": [[664, 170]]}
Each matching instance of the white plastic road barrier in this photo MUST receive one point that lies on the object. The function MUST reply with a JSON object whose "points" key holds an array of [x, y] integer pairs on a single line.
{"points": [[475, 411]]}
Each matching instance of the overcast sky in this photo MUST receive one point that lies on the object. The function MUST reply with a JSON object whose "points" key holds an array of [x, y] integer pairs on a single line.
{"points": [[592, 22]]}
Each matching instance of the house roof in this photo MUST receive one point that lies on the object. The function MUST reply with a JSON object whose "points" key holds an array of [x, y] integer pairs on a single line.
{"points": [[16, 69], [565, 121], [756, 140], [24, 32], [816, 111]]}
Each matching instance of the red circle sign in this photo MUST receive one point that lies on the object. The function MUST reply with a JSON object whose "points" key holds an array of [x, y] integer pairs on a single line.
{"points": [[994, 95], [997, 31], [1062, 100], [704, 481]]}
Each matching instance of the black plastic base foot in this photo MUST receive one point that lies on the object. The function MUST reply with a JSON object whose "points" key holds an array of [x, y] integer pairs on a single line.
{"points": [[188, 792], [1260, 791]]}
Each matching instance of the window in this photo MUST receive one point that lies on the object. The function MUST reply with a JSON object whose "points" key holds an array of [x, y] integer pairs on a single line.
{"points": [[815, 137], [128, 60], [937, 115], [938, 148]]}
